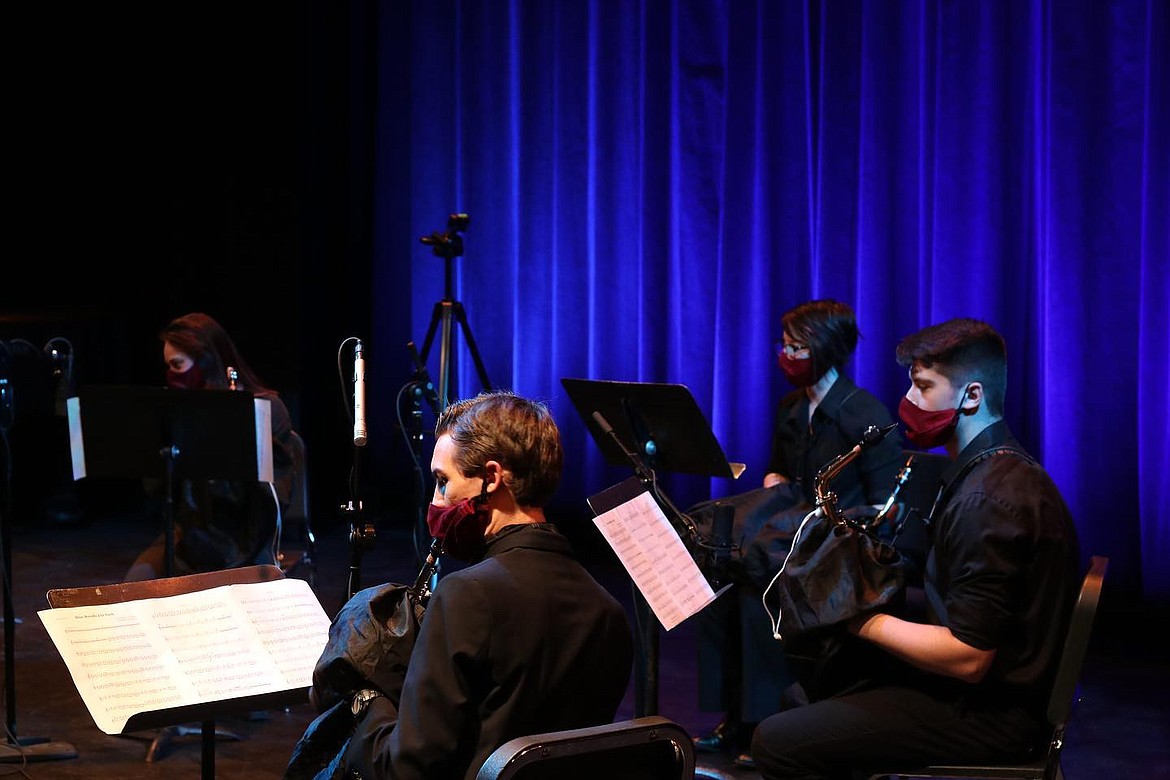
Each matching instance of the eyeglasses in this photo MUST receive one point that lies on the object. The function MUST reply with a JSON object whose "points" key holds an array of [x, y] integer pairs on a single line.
{"points": [[790, 349]]}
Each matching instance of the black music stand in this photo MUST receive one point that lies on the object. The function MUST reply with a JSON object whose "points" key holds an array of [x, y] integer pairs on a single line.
{"points": [[668, 431], [145, 432], [204, 712]]}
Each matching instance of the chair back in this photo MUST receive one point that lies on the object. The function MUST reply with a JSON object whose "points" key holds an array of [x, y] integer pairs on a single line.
{"points": [[1072, 658], [298, 509], [647, 748], [295, 542], [1061, 700]]}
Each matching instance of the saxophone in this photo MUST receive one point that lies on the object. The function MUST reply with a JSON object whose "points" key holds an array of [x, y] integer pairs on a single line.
{"points": [[826, 498]]}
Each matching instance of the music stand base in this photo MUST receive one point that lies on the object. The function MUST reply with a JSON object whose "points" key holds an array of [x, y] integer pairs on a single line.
{"points": [[165, 739], [36, 751]]}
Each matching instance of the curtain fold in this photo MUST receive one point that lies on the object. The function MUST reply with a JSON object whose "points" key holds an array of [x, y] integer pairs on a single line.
{"points": [[652, 184]]}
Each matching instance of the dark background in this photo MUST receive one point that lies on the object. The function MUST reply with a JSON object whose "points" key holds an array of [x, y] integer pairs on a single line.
{"points": [[251, 161], [191, 159]]}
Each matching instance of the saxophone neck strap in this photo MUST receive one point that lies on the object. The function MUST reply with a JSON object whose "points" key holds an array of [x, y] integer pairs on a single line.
{"points": [[947, 488]]}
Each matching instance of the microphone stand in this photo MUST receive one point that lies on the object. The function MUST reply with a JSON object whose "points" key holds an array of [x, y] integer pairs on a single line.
{"points": [[14, 748], [361, 534]]}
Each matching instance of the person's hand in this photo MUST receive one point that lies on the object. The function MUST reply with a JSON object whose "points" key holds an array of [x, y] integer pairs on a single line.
{"points": [[772, 479]]}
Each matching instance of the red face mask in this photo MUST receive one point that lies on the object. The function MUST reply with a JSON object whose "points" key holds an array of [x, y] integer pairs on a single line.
{"points": [[461, 527], [798, 371], [191, 379], [927, 430]]}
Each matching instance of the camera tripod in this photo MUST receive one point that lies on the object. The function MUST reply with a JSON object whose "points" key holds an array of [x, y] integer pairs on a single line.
{"points": [[449, 245], [445, 315]]}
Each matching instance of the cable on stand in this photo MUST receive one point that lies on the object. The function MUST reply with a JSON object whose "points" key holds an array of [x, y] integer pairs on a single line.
{"points": [[361, 533]]}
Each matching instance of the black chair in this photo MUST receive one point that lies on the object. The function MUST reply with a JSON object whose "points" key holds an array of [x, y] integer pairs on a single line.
{"points": [[295, 541], [1061, 702], [647, 748]]}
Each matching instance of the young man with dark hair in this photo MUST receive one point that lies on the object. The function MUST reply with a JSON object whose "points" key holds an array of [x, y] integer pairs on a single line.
{"points": [[970, 683]]}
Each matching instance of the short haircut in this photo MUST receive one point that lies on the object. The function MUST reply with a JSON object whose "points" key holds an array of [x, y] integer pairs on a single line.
{"points": [[828, 328], [519, 433], [963, 350]]}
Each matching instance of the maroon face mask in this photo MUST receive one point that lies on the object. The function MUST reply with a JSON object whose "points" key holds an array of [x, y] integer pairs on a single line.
{"points": [[191, 379], [798, 371], [927, 430], [461, 527]]}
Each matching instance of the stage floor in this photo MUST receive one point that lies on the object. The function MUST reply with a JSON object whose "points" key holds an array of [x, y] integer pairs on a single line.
{"points": [[1122, 729]]}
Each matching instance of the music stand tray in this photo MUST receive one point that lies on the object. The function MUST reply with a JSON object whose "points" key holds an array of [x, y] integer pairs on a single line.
{"points": [[662, 420], [309, 618]]}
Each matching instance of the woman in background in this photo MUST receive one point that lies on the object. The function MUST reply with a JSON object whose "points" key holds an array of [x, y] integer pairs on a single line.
{"points": [[220, 524]]}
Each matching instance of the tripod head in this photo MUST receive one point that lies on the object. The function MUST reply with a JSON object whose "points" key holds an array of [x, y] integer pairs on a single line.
{"points": [[448, 244]]}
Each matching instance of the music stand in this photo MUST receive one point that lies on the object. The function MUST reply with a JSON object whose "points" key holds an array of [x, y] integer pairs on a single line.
{"points": [[662, 419], [670, 432], [204, 712], [144, 432], [124, 431]]}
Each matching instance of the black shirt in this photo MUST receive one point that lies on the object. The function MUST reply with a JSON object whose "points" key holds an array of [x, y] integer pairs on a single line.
{"points": [[800, 447], [1003, 569], [524, 642]]}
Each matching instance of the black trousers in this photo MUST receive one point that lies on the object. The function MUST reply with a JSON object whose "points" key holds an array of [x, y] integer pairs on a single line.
{"points": [[742, 668], [888, 728]]}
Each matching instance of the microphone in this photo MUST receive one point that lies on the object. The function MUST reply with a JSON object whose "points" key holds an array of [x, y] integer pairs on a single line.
{"points": [[359, 396], [603, 423], [639, 465]]}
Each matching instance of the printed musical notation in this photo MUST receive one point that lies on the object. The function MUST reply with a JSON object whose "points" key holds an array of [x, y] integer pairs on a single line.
{"points": [[209, 645], [650, 549]]}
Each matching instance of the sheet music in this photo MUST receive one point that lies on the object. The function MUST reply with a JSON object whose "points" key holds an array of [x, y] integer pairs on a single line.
{"points": [[654, 555], [215, 644]]}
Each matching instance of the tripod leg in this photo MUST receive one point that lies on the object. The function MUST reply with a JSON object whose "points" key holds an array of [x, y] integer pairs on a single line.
{"points": [[461, 318], [440, 314], [436, 314]]}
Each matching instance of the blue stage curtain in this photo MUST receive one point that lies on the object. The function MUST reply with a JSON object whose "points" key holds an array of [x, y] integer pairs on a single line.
{"points": [[650, 184]]}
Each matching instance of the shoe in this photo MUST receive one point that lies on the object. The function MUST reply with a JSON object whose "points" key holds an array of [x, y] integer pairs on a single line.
{"points": [[719, 739], [744, 760]]}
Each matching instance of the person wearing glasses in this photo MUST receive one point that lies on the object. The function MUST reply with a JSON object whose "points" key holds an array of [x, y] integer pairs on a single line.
{"points": [[743, 672]]}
